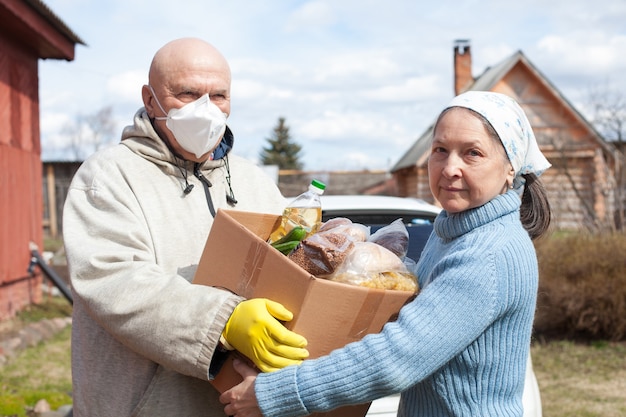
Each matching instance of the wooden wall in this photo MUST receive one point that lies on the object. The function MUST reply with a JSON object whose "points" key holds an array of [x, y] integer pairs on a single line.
{"points": [[20, 178], [57, 177], [582, 182]]}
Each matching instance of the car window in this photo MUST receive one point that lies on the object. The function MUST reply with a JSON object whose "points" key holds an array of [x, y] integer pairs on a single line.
{"points": [[419, 227], [371, 219], [418, 235]]}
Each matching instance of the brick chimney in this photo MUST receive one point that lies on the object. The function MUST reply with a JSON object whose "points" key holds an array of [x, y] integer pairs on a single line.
{"points": [[462, 66]]}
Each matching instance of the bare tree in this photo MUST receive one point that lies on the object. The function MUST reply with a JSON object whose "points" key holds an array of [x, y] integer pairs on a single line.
{"points": [[609, 112], [88, 133], [608, 107], [74, 132], [573, 194]]}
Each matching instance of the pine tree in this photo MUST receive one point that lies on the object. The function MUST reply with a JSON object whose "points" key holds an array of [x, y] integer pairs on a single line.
{"points": [[281, 150]]}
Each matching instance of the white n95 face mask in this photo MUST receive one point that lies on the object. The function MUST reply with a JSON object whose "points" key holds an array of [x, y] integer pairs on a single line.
{"points": [[197, 126]]}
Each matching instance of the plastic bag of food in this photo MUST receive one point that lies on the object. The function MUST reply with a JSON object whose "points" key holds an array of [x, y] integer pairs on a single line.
{"points": [[355, 231], [321, 253], [371, 265], [334, 222], [394, 237]]}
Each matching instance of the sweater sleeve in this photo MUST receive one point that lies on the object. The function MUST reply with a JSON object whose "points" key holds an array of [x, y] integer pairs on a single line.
{"points": [[437, 325]]}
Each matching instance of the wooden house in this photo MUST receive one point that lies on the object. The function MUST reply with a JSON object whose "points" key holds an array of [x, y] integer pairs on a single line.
{"points": [[57, 176], [582, 182], [376, 182], [29, 31]]}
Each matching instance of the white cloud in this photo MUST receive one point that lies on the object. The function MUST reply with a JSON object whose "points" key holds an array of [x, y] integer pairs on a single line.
{"points": [[331, 126], [359, 159], [126, 86], [355, 67], [312, 15], [586, 53], [410, 90], [346, 75], [53, 142], [52, 122], [248, 89]]}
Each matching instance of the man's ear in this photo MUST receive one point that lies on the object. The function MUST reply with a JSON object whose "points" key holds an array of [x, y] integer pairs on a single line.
{"points": [[148, 100]]}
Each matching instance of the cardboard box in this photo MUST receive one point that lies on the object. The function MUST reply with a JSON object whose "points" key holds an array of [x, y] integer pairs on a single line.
{"points": [[329, 314]]}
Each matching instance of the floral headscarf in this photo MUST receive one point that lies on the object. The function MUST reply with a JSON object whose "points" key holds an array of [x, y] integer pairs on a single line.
{"points": [[512, 126]]}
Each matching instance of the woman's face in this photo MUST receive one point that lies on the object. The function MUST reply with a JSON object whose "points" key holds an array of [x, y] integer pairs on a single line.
{"points": [[467, 167]]}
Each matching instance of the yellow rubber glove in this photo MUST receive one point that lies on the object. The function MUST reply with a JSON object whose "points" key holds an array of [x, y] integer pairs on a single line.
{"points": [[254, 330]]}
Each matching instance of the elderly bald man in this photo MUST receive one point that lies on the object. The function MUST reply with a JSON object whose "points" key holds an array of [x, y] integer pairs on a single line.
{"points": [[145, 340]]}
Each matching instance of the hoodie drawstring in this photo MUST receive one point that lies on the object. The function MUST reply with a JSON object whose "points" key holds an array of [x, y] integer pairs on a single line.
{"points": [[207, 184], [230, 196]]}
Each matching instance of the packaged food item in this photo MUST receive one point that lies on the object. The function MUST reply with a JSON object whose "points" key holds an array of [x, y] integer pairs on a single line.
{"points": [[345, 252], [394, 237], [334, 222], [354, 231], [371, 265], [321, 253], [304, 211]]}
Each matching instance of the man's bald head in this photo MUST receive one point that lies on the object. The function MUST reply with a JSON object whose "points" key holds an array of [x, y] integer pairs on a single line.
{"points": [[183, 55], [181, 72]]}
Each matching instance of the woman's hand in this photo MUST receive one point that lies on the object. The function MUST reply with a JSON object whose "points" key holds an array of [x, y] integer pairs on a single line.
{"points": [[241, 400]]}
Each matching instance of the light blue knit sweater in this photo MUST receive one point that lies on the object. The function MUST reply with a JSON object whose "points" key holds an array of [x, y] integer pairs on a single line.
{"points": [[459, 349]]}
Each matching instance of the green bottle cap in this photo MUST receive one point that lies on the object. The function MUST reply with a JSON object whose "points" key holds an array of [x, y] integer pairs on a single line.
{"points": [[318, 184]]}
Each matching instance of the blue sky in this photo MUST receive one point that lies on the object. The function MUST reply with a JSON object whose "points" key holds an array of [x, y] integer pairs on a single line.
{"points": [[358, 81]]}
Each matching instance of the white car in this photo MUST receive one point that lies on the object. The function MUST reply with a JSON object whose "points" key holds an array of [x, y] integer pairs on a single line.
{"points": [[377, 211], [418, 215]]}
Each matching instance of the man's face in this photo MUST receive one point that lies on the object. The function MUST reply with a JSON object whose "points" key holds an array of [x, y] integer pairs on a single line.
{"points": [[183, 84]]}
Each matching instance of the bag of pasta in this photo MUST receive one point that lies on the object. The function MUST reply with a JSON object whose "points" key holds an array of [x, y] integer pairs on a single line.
{"points": [[371, 265]]}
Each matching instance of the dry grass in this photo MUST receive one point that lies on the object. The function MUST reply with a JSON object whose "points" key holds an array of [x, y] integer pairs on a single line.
{"points": [[582, 287], [576, 379], [580, 379]]}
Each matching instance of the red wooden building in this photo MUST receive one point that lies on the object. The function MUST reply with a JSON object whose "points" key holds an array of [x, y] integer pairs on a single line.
{"points": [[29, 31]]}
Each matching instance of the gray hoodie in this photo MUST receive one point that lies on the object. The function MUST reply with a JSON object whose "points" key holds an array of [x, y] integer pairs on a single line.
{"points": [[143, 336]]}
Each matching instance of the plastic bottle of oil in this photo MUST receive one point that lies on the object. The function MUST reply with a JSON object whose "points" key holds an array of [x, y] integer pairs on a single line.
{"points": [[305, 210]]}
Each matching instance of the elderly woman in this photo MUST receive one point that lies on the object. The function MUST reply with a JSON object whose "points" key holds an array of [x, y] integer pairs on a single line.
{"points": [[460, 348]]}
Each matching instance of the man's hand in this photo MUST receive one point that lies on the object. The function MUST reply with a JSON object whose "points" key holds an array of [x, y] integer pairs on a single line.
{"points": [[254, 329], [240, 400]]}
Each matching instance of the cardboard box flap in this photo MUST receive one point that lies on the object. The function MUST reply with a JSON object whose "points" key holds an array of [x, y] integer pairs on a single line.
{"points": [[248, 266], [261, 224]]}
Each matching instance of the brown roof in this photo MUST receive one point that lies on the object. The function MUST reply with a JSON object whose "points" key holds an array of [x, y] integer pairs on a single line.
{"points": [[418, 152], [32, 24]]}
